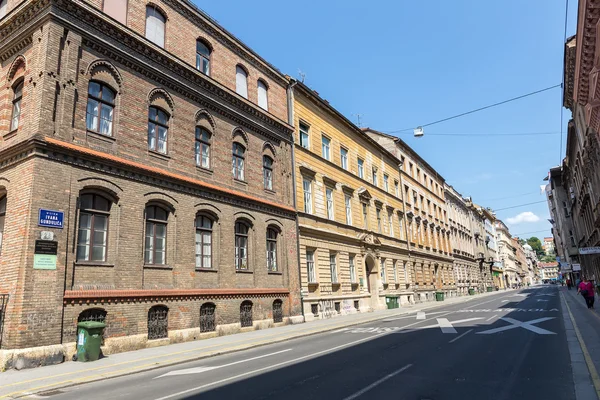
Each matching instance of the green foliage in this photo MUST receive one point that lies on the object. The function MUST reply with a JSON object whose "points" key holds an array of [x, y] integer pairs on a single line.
{"points": [[548, 258], [536, 245]]}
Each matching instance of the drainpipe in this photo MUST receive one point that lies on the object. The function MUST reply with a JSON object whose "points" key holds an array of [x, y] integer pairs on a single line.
{"points": [[290, 100], [405, 221]]}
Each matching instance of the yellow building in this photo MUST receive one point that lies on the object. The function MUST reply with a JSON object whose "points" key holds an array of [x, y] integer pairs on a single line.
{"points": [[427, 226], [353, 248]]}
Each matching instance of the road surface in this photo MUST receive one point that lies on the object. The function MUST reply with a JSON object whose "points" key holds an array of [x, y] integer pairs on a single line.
{"points": [[512, 345]]}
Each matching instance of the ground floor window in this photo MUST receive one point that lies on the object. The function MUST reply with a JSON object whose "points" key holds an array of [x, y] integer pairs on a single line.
{"points": [[158, 322], [246, 314], [278, 311]]}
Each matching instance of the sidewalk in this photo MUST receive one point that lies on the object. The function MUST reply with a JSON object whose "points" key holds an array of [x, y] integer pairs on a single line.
{"points": [[587, 326], [19, 383]]}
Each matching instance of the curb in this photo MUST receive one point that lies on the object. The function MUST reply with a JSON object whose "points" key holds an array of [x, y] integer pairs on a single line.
{"points": [[156, 365]]}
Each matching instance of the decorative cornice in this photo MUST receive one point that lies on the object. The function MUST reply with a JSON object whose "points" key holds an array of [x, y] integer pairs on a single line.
{"points": [[217, 34], [16, 48], [109, 164], [174, 73], [157, 295], [586, 48]]}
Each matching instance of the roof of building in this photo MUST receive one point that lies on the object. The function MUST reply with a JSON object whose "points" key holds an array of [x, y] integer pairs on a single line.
{"points": [[547, 264]]}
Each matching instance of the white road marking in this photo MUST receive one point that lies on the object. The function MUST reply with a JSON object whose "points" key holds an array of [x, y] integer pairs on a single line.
{"points": [[459, 336], [541, 300], [377, 383], [492, 317], [446, 323], [544, 294], [421, 315], [273, 366], [340, 330], [519, 324], [198, 370], [411, 316], [446, 326]]}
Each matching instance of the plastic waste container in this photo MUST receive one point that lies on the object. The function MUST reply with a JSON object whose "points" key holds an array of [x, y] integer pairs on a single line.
{"points": [[89, 340], [439, 296], [471, 292]]}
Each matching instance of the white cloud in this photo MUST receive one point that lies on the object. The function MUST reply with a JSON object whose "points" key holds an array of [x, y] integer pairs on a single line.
{"points": [[526, 216]]}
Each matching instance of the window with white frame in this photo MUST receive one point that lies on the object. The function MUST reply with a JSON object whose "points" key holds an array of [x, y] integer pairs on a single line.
{"points": [[375, 182], [396, 189], [391, 223], [333, 268], [386, 183], [329, 197], [382, 271], [401, 231], [352, 268], [325, 147], [378, 212], [304, 135], [307, 188], [344, 158], [310, 266], [395, 271], [348, 201], [365, 212], [361, 168]]}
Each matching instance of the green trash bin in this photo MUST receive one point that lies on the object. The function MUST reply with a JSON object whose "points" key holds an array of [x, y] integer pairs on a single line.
{"points": [[89, 340], [490, 288], [391, 302], [439, 296], [471, 292]]}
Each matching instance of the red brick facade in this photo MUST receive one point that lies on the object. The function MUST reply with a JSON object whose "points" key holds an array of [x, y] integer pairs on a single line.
{"points": [[58, 47]]}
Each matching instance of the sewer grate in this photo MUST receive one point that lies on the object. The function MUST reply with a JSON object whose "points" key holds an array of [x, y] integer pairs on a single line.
{"points": [[50, 393]]}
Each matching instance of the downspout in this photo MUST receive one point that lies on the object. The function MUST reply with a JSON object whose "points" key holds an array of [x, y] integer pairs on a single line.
{"points": [[405, 221], [290, 100]]}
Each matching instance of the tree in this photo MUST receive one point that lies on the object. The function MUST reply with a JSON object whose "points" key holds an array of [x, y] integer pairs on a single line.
{"points": [[536, 245], [521, 241], [548, 258]]}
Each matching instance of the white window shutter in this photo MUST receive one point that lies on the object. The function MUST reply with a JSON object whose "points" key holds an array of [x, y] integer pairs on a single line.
{"points": [[241, 82], [263, 101]]}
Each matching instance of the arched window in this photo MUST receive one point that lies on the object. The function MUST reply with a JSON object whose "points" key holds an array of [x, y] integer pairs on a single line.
{"points": [[268, 172], [16, 105], [155, 26], [241, 245], [2, 217], [202, 57], [272, 249], [158, 130], [100, 108], [3, 6], [92, 314], [156, 235], [241, 81], [207, 317], [94, 211], [263, 98], [203, 140], [246, 313], [239, 153], [278, 311], [158, 322], [204, 226]]}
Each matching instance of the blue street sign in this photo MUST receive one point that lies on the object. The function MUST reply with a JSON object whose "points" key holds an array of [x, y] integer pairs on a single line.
{"points": [[51, 218]]}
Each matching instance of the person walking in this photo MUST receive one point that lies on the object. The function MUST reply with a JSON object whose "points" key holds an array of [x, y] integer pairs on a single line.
{"points": [[586, 289], [569, 284]]}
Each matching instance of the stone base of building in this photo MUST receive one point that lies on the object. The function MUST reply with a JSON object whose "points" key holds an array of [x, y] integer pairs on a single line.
{"points": [[55, 354]]}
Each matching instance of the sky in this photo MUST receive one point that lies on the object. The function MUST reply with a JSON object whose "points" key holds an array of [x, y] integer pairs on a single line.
{"points": [[400, 64]]}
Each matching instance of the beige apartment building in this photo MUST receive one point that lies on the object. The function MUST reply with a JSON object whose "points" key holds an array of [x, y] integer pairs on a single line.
{"points": [[352, 237], [427, 224]]}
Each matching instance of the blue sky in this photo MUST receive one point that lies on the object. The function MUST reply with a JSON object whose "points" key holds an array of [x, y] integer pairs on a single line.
{"points": [[405, 63]]}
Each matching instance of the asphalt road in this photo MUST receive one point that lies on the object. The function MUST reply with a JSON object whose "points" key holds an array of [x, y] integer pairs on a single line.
{"points": [[508, 346]]}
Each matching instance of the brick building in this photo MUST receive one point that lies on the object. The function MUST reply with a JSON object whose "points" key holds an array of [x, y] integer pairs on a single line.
{"points": [[164, 142]]}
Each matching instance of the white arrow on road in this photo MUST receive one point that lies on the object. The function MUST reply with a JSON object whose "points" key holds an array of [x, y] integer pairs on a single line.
{"points": [[198, 370], [420, 315], [447, 326], [519, 324], [541, 300]]}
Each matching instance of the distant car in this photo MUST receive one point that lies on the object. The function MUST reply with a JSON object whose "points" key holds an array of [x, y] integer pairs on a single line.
{"points": [[553, 282]]}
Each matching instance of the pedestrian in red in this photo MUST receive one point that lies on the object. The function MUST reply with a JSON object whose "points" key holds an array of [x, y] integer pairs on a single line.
{"points": [[587, 291], [569, 284]]}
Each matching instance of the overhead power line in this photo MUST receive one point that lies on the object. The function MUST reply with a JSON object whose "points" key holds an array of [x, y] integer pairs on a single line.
{"points": [[529, 233], [478, 109], [490, 134], [520, 205], [509, 197]]}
